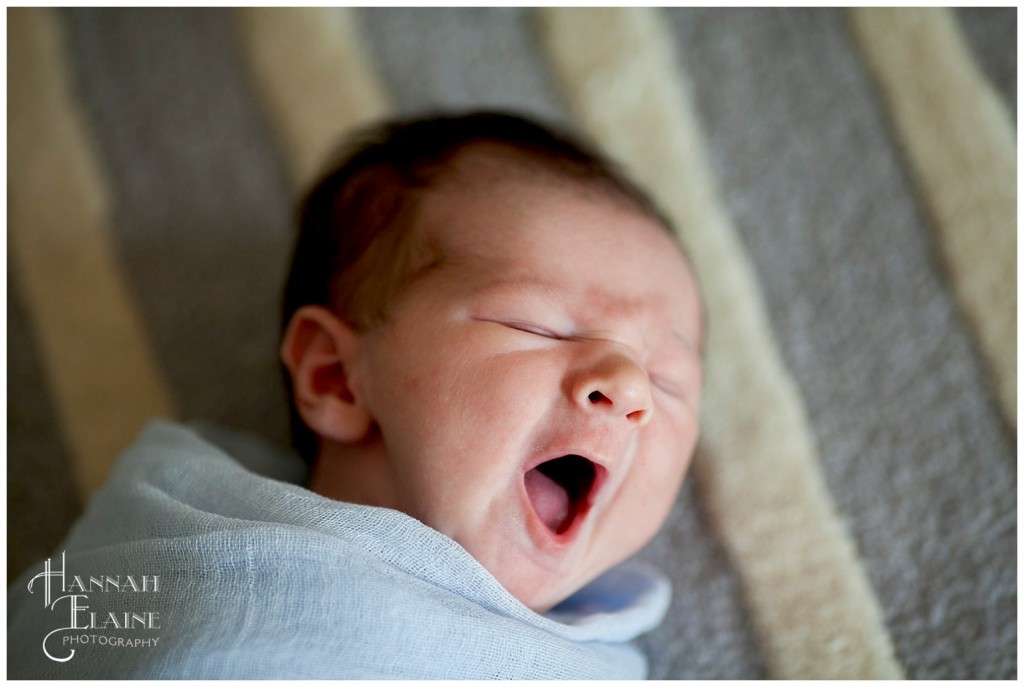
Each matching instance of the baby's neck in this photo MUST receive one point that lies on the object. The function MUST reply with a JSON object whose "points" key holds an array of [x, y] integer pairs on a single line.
{"points": [[355, 473]]}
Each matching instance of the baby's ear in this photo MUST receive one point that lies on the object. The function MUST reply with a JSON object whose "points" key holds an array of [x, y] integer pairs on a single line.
{"points": [[320, 351]]}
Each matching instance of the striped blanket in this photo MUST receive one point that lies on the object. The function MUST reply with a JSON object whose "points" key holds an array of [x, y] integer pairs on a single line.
{"points": [[845, 182]]}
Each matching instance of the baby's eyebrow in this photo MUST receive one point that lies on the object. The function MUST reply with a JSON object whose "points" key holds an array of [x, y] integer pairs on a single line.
{"points": [[688, 345], [678, 335], [529, 283]]}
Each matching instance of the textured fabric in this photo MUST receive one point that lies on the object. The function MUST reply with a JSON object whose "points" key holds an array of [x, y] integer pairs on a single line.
{"points": [[260, 578]]}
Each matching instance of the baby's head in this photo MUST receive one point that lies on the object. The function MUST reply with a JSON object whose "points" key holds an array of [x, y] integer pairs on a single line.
{"points": [[489, 329]]}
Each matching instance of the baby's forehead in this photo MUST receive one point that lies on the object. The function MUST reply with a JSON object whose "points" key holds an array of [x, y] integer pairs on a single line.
{"points": [[517, 222], [488, 184]]}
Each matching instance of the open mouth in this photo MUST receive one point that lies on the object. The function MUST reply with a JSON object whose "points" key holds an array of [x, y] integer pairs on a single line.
{"points": [[560, 490]]}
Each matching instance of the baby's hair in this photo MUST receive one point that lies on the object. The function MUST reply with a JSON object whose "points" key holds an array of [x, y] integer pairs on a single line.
{"points": [[355, 251]]}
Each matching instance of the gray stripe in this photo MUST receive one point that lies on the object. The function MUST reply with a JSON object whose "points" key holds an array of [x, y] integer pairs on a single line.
{"points": [[42, 498], [464, 58], [202, 208], [707, 634], [460, 58], [992, 35], [914, 451]]}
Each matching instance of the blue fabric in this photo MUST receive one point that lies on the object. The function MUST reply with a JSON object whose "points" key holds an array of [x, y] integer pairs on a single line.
{"points": [[261, 578]]}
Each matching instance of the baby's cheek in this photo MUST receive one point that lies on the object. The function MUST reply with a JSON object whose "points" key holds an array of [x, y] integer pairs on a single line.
{"points": [[654, 490]]}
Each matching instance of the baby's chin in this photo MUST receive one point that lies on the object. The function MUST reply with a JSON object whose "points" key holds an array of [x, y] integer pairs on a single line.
{"points": [[538, 587], [539, 573], [536, 592]]}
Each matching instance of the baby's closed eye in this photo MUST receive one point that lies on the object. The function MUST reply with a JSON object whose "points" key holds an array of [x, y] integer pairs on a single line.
{"points": [[530, 329], [522, 326], [668, 386]]}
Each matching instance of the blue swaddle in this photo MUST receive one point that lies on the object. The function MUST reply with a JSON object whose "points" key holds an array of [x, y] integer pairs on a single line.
{"points": [[199, 560]]}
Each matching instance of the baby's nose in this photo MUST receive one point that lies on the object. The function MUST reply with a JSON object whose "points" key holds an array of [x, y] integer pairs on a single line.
{"points": [[615, 385]]}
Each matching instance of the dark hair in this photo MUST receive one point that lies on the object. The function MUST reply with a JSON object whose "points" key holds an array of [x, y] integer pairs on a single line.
{"points": [[351, 254]]}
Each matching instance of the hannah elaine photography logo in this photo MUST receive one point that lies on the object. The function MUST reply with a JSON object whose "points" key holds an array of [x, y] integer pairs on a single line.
{"points": [[70, 597]]}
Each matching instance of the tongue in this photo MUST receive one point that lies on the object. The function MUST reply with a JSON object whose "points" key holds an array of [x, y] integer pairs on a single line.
{"points": [[549, 498]]}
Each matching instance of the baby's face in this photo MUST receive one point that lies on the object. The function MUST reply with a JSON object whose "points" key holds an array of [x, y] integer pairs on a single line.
{"points": [[537, 391]]}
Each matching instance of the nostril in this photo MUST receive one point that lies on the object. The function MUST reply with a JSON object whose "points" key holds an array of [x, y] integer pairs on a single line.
{"points": [[597, 397], [637, 416]]}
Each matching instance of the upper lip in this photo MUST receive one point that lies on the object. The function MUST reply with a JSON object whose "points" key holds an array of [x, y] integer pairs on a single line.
{"points": [[593, 456]]}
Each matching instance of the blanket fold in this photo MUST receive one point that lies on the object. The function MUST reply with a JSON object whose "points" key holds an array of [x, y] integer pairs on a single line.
{"points": [[203, 558]]}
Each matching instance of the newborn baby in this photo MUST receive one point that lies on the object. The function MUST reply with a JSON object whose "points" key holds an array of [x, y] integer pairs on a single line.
{"points": [[492, 344]]}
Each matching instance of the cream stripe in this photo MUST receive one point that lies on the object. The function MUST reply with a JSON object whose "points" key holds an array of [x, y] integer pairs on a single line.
{"points": [[960, 141], [816, 614], [99, 365], [313, 77]]}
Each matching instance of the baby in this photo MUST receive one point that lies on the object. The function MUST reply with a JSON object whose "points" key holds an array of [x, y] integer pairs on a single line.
{"points": [[492, 345]]}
